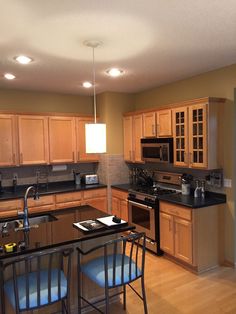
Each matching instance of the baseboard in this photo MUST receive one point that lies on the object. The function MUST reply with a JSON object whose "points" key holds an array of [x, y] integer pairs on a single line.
{"points": [[229, 264]]}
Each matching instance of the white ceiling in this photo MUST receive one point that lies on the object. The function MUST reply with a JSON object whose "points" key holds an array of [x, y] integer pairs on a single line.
{"points": [[154, 41]]}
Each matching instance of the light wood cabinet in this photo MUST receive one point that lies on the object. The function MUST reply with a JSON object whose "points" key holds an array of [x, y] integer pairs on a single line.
{"points": [[149, 124], [96, 198], [80, 141], [10, 208], [120, 204], [33, 140], [133, 132], [44, 203], [8, 141], [195, 140], [70, 199], [164, 123], [62, 139], [176, 231]]}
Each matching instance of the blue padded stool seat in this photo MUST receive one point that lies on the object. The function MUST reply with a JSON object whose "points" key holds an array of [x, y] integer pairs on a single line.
{"points": [[95, 270], [21, 286]]}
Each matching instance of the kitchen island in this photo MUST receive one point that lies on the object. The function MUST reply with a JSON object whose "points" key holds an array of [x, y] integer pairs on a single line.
{"points": [[58, 232]]}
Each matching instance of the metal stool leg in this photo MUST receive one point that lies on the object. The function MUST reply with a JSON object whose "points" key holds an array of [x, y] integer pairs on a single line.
{"points": [[124, 297], [144, 296]]}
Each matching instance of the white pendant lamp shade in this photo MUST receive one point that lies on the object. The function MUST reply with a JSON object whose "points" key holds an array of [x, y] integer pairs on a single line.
{"points": [[95, 133], [95, 138]]}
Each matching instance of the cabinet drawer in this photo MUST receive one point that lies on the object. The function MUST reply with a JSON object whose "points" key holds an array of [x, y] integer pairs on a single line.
{"points": [[119, 194], [68, 197], [43, 200], [95, 193], [10, 208], [176, 210]]}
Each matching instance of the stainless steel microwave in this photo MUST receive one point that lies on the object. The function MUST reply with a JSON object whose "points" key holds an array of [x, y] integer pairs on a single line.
{"points": [[157, 149]]}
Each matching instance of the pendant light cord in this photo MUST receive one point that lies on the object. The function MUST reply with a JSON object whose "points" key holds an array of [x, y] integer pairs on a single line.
{"points": [[94, 90]]}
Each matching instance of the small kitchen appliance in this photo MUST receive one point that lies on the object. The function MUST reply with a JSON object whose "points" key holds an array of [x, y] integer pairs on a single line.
{"points": [[157, 149], [90, 179]]}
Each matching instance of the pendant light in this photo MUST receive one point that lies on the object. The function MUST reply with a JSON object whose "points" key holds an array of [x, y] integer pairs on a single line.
{"points": [[95, 133]]}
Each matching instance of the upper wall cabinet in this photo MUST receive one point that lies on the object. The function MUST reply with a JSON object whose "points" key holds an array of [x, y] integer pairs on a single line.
{"points": [[81, 154], [33, 140], [62, 139], [8, 141], [164, 123], [195, 135], [149, 124], [133, 132]]}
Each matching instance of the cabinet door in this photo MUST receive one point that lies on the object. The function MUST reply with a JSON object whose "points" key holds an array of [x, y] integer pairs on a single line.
{"points": [[62, 139], [80, 141], [149, 124], [128, 138], [137, 135], [167, 233], [8, 151], [164, 123], [10, 208], [198, 136], [99, 203], [180, 128], [33, 140], [115, 206], [124, 210], [183, 240]]}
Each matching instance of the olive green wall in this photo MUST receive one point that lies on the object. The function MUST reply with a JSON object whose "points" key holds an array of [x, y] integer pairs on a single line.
{"points": [[111, 107], [26, 101], [218, 83]]}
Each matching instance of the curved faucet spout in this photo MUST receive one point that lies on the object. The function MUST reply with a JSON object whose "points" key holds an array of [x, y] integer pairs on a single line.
{"points": [[26, 225]]}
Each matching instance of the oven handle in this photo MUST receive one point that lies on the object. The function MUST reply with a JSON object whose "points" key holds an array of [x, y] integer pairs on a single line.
{"points": [[140, 205]]}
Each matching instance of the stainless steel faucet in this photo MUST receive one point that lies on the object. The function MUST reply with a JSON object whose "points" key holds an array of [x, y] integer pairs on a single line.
{"points": [[26, 225]]}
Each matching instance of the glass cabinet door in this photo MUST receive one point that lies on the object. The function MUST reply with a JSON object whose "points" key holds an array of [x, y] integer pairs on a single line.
{"points": [[180, 128], [197, 136]]}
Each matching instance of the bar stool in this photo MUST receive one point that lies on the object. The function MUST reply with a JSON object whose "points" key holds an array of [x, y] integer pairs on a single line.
{"points": [[38, 280], [122, 263]]}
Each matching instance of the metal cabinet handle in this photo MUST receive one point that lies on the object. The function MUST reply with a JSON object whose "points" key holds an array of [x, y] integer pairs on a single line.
{"points": [[21, 158], [191, 158], [158, 129], [78, 155], [130, 155], [153, 129]]}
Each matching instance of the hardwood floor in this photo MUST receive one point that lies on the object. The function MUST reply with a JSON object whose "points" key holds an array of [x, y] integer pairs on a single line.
{"points": [[173, 290]]}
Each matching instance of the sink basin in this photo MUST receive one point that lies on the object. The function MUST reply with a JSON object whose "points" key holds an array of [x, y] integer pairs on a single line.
{"points": [[17, 224]]}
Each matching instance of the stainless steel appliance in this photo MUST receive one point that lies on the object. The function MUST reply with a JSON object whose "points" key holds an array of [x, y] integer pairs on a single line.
{"points": [[144, 208], [157, 149], [90, 179]]}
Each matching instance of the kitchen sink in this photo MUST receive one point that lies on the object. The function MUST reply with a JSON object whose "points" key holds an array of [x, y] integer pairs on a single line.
{"points": [[17, 224]]}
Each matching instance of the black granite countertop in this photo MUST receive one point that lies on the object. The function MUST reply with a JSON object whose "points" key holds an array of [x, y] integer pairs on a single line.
{"points": [[52, 188], [211, 198], [57, 232]]}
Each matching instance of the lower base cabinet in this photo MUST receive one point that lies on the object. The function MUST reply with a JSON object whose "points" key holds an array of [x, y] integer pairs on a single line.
{"points": [[119, 204], [190, 236]]}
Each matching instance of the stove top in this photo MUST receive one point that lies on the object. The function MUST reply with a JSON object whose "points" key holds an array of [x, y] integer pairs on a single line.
{"points": [[155, 191]]}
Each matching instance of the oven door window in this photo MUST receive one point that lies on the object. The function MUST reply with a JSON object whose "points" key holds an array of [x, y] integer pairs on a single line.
{"points": [[151, 152], [141, 217]]}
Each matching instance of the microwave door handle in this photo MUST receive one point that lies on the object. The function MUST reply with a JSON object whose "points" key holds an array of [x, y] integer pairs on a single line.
{"points": [[140, 205], [161, 156]]}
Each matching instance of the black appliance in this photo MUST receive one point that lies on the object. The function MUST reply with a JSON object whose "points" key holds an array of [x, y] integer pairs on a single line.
{"points": [[144, 208], [157, 149]]}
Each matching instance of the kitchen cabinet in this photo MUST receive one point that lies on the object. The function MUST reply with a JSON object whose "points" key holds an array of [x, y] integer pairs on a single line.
{"points": [[8, 140], [164, 123], [195, 130], [120, 204], [44, 203], [176, 231], [10, 208], [133, 132], [96, 198], [62, 139], [190, 235], [82, 156], [33, 140], [70, 199], [149, 124]]}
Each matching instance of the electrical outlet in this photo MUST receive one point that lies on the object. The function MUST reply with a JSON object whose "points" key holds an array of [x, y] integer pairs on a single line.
{"points": [[227, 183], [15, 176]]}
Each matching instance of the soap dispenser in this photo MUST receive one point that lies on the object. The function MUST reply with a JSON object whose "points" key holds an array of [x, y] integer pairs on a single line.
{"points": [[197, 191]]}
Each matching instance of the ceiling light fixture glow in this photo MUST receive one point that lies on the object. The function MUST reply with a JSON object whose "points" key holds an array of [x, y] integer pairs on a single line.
{"points": [[95, 133], [9, 76], [23, 59], [115, 72], [87, 84]]}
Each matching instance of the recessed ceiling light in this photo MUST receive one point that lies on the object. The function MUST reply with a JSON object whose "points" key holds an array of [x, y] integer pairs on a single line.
{"points": [[114, 72], [9, 76], [87, 84], [23, 59]]}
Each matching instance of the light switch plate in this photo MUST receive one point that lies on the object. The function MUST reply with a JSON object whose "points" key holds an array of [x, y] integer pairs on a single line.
{"points": [[227, 183]]}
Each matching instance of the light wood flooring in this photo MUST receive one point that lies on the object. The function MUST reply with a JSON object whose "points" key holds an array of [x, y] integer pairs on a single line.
{"points": [[173, 290]]}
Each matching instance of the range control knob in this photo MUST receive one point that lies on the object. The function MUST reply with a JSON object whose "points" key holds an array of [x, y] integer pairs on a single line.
{"points": [[149, 200]]}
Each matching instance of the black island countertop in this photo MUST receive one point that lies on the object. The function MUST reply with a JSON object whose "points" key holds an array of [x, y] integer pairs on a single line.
{"points": [[51, 188], [210, 199], [58, 232]]}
